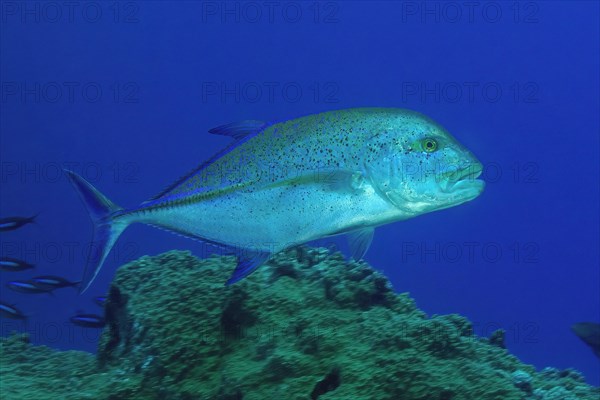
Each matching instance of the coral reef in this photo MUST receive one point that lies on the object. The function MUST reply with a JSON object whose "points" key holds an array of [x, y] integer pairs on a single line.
{"points": [[308, 325]]}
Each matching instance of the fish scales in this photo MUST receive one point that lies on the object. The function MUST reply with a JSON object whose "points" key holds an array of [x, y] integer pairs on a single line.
{"points": [[283, 184]]}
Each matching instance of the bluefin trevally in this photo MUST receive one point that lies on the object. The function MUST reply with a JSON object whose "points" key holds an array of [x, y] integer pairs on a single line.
{"points": [[278, 185]]}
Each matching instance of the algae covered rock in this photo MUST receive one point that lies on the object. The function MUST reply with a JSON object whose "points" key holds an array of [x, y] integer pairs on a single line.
{"points": [[30, 372], [308, 325]]}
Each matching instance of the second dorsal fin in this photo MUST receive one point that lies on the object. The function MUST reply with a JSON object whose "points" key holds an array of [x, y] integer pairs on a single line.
{"points": [[239, 130]]}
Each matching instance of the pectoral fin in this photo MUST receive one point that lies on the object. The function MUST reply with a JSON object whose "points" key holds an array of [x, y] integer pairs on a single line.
{"points": [[334, 180], [359, 242]]}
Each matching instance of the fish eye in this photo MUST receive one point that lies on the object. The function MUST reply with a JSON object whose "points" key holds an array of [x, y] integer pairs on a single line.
{"points": [[429, 145]]}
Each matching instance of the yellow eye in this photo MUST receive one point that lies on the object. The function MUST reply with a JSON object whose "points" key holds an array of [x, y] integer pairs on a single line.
{"points": [[429, 145]]}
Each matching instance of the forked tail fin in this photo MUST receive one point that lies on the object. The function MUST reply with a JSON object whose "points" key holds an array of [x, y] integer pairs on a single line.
{"points": [[107, 228]]}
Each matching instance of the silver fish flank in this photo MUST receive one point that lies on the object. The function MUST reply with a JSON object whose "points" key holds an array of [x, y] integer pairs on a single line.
{"points": [[283, 184]]}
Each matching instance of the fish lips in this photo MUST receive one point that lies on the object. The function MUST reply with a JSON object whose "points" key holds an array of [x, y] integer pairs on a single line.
{"points": [[463, 182]]}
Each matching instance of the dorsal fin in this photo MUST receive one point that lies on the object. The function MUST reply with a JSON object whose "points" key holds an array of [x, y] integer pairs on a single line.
{"points": [[240, 131]]}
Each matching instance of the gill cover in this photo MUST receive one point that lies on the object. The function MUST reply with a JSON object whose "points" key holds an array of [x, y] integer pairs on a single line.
{"points": [[383, 167]]}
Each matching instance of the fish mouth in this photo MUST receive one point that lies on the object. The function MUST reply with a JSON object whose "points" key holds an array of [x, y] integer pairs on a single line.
{"points": [[463, 182]]}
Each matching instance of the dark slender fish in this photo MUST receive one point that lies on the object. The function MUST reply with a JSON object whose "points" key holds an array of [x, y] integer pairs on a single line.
{"points": [[100, 300], [26, 287], [10, 264], [330, 382], [10, 311], [51, 282], [88, 320], [589, 332], [12, 223]]}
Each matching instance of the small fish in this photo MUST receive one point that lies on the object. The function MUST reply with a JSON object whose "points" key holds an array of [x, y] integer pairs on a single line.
{"points": [[100, 300], [278, 185], [10, 311], [589, 333], [12, 223], [10, 264], [88, 320], [327, 384], [26, 287], [51, 282]]}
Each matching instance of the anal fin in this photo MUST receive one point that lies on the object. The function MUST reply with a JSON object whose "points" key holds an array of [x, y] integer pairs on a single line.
{"points": [[239, 130], [359, 242], [246, 265], [247, 260]]}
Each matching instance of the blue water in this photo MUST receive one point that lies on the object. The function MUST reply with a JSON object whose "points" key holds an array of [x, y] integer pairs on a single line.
{"points": [[124, 93]]}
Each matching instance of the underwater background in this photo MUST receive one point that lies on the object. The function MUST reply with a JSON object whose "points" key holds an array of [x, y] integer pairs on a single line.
{"points": [[123, 93]]}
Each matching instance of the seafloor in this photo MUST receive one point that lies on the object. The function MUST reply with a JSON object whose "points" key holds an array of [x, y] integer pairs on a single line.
{"points": [[307, 325]]}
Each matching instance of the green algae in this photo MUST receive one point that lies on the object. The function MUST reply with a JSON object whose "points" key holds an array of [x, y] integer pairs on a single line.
{"points": [[175, 332]]}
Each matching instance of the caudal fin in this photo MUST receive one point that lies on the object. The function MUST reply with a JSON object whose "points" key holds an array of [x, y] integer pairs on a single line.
{"points": [[107, 229]]}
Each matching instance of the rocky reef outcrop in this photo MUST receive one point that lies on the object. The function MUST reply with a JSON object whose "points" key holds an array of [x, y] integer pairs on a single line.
{"points": [[308, 325]]}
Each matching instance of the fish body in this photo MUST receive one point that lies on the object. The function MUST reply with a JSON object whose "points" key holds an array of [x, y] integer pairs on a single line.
{"points": [[26, 287], [88, 320], [9, 264], [51, 282], [13, 223], [100, 301], [10, 311], [280, 185], [589, 333], [331, 382]]}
